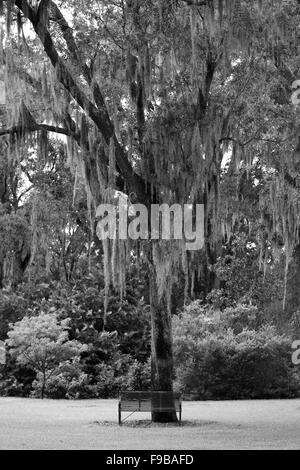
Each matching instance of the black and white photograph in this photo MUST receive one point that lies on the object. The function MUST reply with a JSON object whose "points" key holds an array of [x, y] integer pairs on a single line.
{"points": [[149, 228]]}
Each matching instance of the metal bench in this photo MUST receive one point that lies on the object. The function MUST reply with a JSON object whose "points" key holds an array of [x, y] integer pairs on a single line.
{"points": [[148, 402]]}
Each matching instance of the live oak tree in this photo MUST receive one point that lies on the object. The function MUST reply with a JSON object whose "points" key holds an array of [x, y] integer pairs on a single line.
{"points": [[152, 97]]}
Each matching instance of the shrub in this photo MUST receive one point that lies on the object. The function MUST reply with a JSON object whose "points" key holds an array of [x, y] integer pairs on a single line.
{"points": [[125, 374], [218, 357], [67, 381], [139, 376], [12, 308]]}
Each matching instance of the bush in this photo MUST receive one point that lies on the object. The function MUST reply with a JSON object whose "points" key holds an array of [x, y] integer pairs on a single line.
{"points": [[67, 381], [139, 376], [70, 381], [12, 308], [11, 387], [217, 357], [123, 375]]}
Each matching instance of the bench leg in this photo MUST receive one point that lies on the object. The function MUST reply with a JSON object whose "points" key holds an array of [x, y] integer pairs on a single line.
{"points": [[180, 414], [120, 420]]}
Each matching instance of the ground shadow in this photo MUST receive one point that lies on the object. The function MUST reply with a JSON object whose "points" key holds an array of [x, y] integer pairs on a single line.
{"points": [[147, 423]]}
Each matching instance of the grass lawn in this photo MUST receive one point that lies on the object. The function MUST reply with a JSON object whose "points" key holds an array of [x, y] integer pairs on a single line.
{"points": [[92, 424]]}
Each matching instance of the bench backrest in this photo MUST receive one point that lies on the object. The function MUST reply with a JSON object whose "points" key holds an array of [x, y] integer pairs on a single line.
{"points": [[147, 401]]}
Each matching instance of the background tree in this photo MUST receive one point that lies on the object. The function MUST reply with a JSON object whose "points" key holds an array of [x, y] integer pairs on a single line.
{"points": [[42, 342]]}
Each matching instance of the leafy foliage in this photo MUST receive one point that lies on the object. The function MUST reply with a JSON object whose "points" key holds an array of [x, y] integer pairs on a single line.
{"points": [[42, 342], [227, 355]]}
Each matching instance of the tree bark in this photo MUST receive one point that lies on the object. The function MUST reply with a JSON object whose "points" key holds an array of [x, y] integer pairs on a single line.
{"points": [[43, 386], [1, 273], [161, 349], [293, 282]]}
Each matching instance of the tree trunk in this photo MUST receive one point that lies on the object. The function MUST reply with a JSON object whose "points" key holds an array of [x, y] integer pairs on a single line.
{"points": [[43, 386], [19, 265], [293, 282], [161, 349], [1, 273]]}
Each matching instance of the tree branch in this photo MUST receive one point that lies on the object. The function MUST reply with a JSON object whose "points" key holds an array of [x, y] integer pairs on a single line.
{"points": [[99, 115], [20, 130], [197, 3], [67, 33]]}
